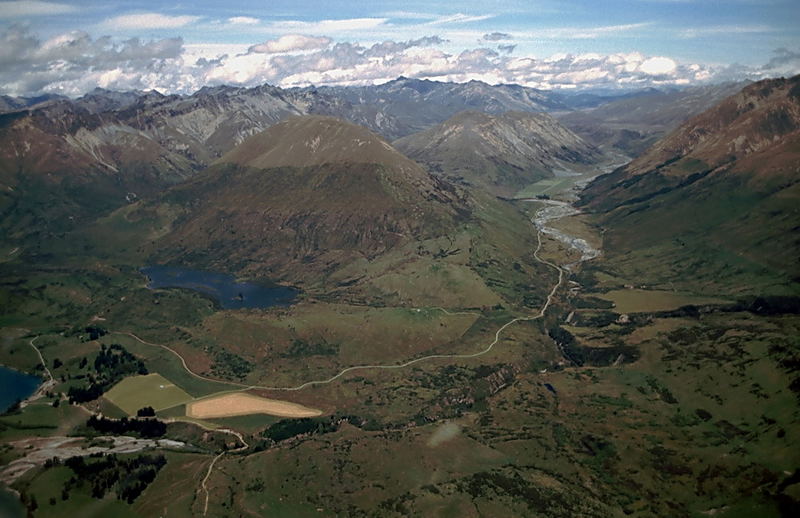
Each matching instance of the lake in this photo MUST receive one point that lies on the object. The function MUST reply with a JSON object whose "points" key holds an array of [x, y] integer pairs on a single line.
{"points": [[15, 385], [223, 288]]}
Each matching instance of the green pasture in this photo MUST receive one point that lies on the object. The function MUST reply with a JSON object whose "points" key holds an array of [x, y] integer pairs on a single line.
{"points": [[152, 390]]}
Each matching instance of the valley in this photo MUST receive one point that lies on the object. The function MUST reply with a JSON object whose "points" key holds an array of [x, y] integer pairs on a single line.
{"points": [[546, 342]]}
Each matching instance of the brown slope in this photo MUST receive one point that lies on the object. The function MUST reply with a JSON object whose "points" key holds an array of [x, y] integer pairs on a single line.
{"points": [[304, 196], [502, 153], [61, 165], [718, 198]]}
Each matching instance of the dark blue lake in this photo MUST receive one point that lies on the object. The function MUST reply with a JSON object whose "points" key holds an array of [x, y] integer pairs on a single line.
{"points": [[15, 386], [222, 287]]}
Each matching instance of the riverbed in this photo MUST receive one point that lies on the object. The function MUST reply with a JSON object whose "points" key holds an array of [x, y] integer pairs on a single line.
{"points": [[555, 210]]}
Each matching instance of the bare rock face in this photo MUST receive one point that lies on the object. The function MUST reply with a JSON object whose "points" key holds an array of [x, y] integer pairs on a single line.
{"points": [[500, 152]]}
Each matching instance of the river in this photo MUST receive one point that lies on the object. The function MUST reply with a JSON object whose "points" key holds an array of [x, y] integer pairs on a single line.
{"points": [[555, 210]]}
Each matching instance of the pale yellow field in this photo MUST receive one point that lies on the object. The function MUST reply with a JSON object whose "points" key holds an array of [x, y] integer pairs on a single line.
{"points": [[244, 404]]}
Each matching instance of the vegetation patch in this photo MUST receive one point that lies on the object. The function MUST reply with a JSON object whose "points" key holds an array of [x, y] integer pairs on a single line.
{"points": [[641, 301], [111, 365], [151, 390]]}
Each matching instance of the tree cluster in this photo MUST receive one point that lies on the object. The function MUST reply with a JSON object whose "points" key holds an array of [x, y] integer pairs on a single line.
{"points": [[128, 477], [111, 365], [147, 428]]}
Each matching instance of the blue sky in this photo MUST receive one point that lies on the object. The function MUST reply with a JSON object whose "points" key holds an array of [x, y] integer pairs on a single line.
{"points": [[69, 47]]}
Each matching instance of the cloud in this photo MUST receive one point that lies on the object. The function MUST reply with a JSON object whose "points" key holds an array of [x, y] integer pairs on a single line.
{"points": [[145, 21], [33, 8], [697, 32], [243, 20], [74, 63], [658, 66], [458, 18], [289, 43], [783, 57], [330, 26], [497, 36], [585, 33]]}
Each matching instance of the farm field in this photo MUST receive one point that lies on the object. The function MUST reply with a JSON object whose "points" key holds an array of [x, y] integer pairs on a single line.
{"points": [[229, 405], [152, 390]]}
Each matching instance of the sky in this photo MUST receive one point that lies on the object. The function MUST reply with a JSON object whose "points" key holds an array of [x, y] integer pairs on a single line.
{"points": [[71, 47]]}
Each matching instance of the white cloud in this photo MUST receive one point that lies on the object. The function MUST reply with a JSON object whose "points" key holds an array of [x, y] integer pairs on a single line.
{"points": [[459, 18], [584, 33], [145, 21], [330, 26], [243, 20], [658, 66], [74, 62], [33, 8], [289, 43], [697, 32]]}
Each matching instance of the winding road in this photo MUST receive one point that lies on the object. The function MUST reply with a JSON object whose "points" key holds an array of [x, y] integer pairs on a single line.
{"points": [[553, 210]]}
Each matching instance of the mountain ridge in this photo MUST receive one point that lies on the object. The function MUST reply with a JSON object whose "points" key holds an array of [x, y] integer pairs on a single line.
{"points": [[732, 171], [503, 153]]}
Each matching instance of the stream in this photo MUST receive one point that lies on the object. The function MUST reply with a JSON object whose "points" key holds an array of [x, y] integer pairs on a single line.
{"points": [[555, 210]]}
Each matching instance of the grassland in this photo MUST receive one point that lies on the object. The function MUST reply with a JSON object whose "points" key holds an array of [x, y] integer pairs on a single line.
{"points": [[548, 186], [702, 420], [638, 300], [153, 390]]}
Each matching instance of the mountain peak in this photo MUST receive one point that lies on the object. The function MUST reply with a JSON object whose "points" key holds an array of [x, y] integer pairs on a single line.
{"points": [[313, 140]]}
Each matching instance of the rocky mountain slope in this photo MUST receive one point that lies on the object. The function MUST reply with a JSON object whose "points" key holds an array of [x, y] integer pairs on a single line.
{"points": [[632, 124], [405, 106], [732, 175], [62, 161], [502, 153]]}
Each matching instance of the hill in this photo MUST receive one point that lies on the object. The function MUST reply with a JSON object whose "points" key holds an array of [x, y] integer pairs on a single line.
{"points": [[730, 175], [502, 153], [309, 193]]}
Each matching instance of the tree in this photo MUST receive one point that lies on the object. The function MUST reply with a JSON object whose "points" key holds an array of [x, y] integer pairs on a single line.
{"points": [[146, 412]]}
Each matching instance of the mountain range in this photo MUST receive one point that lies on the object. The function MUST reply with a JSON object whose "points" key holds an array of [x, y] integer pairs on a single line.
{"points": [[716, 201], [633, 123]]}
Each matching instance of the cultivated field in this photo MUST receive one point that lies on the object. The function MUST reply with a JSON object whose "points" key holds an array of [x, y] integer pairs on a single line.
{"points": [[152, 390], [245, 404]]}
